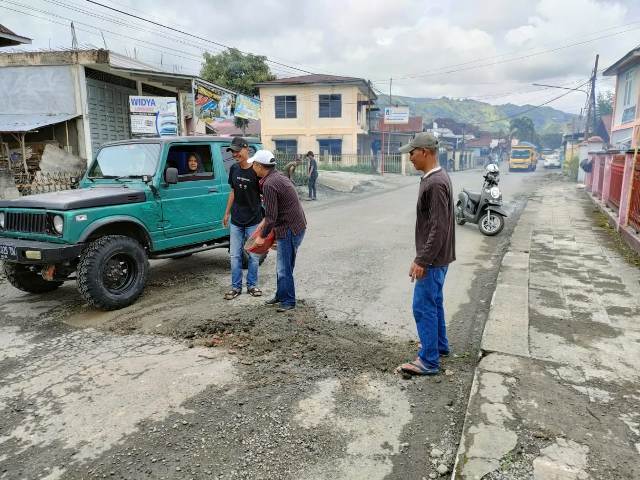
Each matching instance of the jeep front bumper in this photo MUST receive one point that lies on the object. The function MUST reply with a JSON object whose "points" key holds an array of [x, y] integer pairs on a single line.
{"points": [[32, 252]]}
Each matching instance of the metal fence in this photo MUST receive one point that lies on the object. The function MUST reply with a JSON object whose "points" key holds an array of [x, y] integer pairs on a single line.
{"points": [[38, 182], [370, 164], [634, 208]]}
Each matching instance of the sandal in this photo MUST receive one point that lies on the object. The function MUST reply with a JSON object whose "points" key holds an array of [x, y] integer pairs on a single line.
{"points": [[417, 368], [231, 294], [254, 292]]}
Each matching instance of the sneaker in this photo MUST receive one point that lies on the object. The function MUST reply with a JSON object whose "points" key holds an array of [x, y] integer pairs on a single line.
{"points": [[285, 308], [445, 354], [273, 301]]}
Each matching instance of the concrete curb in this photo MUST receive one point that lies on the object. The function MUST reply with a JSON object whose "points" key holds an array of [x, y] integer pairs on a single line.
{"points": [[507, 327]]}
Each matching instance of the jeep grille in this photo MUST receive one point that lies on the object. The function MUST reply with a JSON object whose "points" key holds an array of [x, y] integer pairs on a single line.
{"points": [[26, 222]]}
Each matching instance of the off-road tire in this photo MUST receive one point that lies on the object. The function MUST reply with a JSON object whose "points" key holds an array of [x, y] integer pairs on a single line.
{"points": [[91, 272], [21, 277], [245, 259], [490, 233]]}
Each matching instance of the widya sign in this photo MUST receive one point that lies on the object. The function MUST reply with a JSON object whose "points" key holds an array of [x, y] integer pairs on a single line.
{"points": [[153, 115]]}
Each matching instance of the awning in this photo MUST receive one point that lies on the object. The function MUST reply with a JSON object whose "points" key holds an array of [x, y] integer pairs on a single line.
{"points": [[26, 122]]}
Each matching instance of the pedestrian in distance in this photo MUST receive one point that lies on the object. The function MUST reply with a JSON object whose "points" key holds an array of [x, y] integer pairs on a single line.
{"points": [[435, 250], [243, 215], [290, 168], [312, 171], [283, 215]]}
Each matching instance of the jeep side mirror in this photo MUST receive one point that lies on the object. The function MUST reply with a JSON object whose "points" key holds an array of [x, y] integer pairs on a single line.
{"points": [[171, 175]]}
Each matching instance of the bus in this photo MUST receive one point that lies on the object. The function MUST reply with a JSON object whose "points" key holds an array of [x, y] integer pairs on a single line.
{"points": [[524, 156]]}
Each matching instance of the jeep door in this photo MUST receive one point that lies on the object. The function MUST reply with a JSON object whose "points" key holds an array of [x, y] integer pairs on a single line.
{"points": [[192, 209]]}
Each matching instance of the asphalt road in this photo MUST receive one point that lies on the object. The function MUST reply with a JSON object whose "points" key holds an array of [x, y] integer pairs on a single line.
{"points": [[186, 385]]}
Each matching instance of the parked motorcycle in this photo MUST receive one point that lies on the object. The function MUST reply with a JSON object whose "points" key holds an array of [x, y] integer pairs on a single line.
{"points": [[484, 208]]}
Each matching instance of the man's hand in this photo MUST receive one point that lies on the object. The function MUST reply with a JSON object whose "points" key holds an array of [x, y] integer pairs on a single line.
{"points": [[259, 241], [416, 272], [225, 220]]}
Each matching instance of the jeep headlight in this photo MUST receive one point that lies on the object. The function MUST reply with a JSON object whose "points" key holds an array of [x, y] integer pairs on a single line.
{"points": [[494, 192], [58, 224], [2, 220]]}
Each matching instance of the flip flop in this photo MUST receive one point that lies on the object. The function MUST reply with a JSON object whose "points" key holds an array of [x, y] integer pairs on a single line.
{"points": [[417, 368]]}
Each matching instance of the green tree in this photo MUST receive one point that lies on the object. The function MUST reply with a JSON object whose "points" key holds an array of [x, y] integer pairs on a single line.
{"points": [[524, 130], [604, 103], [238, 72]]}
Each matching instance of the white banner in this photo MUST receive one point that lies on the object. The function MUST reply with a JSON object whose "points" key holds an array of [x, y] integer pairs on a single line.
{"points": [[396, 115], [153, 115]]}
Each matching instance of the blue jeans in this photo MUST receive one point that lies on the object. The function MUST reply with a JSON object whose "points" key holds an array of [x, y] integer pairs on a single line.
{"points": [[428, 311], [312, 186], [239, 236], [287, 250]]}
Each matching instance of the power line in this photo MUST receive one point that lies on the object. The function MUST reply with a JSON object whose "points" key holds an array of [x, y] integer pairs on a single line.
{"points": [[121, 22], [444, 71], [509, 117], [192, 35], [162, 48]]}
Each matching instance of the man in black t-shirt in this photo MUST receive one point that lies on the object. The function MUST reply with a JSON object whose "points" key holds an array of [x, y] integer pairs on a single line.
{"points": [[245, 211]]}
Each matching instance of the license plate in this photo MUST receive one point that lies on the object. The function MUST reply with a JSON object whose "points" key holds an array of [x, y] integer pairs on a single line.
{"points": [[8, 252]]}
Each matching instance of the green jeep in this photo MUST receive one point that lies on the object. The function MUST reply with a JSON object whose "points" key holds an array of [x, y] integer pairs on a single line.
{"points": [[138, 200]]}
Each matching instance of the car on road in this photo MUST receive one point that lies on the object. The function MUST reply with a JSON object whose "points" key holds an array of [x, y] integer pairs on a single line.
{"points": [[552, 161], [137, 201]]}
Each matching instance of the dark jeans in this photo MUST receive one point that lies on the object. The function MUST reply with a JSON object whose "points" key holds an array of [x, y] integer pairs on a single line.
{"points": [[428, 311], [312, 186], [287, 250]]}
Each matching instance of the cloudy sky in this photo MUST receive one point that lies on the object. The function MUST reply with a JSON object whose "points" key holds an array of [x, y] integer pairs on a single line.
{"points": [[490, 50]]}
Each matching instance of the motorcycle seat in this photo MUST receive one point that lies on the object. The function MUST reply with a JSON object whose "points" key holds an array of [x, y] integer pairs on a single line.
{"points": [[474, 197]]}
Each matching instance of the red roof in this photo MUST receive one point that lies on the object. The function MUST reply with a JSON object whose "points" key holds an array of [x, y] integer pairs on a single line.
{"points": [[484, 141], [313, 79], [227, 128]]}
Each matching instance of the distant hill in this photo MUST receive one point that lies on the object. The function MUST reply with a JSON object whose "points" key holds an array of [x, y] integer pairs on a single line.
{"points": [[546, 119]]}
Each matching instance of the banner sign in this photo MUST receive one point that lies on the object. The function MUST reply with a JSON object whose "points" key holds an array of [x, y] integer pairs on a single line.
{"points": [[213, 104], [153, 115], [396, 115], [247, 107]]}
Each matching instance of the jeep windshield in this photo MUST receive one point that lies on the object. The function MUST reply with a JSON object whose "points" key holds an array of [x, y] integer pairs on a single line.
{"points": [[131, 160]]}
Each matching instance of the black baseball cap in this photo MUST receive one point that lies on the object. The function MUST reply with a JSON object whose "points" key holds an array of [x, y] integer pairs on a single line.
{"points": [[237, 144]]}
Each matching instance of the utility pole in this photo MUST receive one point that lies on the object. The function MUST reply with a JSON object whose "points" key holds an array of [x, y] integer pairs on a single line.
{"points": [[389, 139], [591, 120], [74, 39]]}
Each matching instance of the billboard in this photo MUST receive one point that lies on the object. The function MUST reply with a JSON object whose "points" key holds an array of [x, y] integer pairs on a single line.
{"points": [[247, 107], [212, 104], [153, 115], [396, 115]]}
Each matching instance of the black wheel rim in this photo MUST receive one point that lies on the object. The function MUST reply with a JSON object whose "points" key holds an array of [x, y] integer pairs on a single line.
{"points": [[119, 273]]}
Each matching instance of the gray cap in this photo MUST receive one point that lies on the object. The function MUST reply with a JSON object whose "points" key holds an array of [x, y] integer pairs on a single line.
{"points": [[421, 140]]}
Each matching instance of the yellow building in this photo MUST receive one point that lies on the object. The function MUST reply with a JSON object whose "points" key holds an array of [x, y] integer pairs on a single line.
{"points": [[324, 114]]}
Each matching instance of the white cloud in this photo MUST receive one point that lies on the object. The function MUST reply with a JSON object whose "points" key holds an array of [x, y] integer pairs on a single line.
{"points": [[375, 39]]}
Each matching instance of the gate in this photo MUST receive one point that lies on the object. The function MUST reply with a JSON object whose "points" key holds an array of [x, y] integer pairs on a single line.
{"points": [[634, 207], [615, 189]]}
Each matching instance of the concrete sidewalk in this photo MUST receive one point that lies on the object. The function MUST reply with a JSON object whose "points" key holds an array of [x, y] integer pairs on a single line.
{"points": [[557, 393]]}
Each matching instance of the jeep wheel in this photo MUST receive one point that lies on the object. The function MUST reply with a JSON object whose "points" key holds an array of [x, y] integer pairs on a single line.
{"points": [[27, 280], [112, 272], [245, 259]]}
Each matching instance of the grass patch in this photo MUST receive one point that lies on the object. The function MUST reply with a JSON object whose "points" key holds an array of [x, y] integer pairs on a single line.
{"points": [[629, 254]]}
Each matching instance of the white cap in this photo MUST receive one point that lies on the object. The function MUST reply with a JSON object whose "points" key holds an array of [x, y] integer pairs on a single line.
{"points": [[263, 157]]}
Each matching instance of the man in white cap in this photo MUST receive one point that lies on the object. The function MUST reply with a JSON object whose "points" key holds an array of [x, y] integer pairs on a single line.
{"points": [[283, 215]]}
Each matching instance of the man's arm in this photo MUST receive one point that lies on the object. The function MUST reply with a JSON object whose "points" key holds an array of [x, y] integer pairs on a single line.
{"points": [[439, 206], [270, 209], [227, 212]]}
